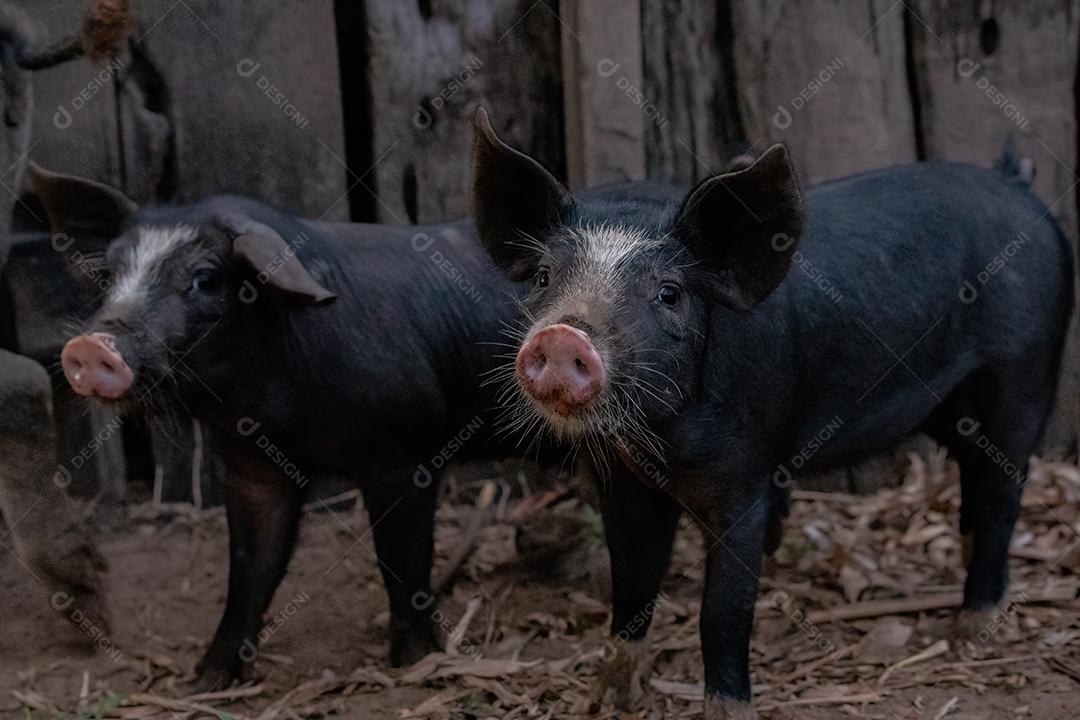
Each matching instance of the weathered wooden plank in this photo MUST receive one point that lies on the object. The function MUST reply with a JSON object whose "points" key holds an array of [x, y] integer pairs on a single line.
{"points": [[16, 111], [74, 127], [252, 94], [827, 77], [68, 110], [985, 77], [431, 65], [603, 91], [689, 79], [988, 71]]}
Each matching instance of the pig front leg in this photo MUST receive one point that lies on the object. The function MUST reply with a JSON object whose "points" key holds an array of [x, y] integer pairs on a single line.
{"points": [[639, 526], [401, 508], [735, 538], [263, 510]]}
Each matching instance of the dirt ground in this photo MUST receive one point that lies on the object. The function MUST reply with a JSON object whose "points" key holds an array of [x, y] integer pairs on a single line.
{"points": [[536, 606]]}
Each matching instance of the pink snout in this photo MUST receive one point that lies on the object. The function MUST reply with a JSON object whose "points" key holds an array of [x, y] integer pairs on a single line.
{"points": [[560, 368], [95, 368]]}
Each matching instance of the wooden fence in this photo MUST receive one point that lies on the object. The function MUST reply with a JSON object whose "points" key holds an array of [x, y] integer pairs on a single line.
{"points": [[363, 110]]}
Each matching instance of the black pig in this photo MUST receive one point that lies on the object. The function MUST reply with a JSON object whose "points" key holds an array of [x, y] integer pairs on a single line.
{"points": [[671, 337], [299, 344]]}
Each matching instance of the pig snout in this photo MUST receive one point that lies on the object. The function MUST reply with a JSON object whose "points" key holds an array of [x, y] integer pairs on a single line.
{"points": [[95, 368], [560, 368]]}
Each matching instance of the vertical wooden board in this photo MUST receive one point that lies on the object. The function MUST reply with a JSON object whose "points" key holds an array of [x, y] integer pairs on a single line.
{"points": [[976, 91], [71, 128], [428, 72], [991, 71], [14, 140], [689, 79], [252, 95], [827, 77], [603, 91], [74, 126]]}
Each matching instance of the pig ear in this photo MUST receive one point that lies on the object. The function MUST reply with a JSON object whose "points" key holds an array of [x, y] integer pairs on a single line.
{"points": [[90, 212], [264, 250], [744, 226], [515, 199]]}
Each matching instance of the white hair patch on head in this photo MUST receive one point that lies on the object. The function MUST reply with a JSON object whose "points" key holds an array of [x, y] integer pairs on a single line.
{"points": [[600, 266], [154, 246]]}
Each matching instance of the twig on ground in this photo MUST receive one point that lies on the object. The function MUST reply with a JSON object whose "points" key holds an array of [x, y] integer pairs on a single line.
{"points": [[456, 635], [468, 541]]}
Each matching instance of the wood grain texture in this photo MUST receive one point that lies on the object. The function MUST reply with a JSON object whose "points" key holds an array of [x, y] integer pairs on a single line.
{"points": [[990, 71], [689, 76], [427, 75], [74, 128], [252, 96], [603, 91], [828, 78]]}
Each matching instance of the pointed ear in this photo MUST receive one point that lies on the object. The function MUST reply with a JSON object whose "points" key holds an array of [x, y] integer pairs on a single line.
{"points": [[515, 198], [90, 212], [263, 249], [744, 226]]}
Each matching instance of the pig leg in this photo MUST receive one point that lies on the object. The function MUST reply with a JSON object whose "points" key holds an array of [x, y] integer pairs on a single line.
{"points": [[945, 425], [639, 525], [780, 509], [263, 510], [1011, 412], [402, 515], [735, 537]]}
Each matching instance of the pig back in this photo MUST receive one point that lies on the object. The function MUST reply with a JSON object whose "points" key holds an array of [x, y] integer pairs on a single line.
{"points": [[397, 361], [906, 280]]}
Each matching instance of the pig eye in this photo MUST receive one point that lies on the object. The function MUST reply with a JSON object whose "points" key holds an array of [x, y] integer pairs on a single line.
{"points": [[542, 278], [669, 294], [206, 281]]}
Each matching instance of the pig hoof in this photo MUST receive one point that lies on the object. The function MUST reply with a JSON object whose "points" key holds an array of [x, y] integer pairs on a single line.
{"points": [[206, 682], [976, 626], [214, 674], [623, 673], [726, 708], [410, 647]]}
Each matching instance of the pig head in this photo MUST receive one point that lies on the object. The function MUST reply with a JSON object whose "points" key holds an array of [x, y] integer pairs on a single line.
{"points": [[180, 279]]}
